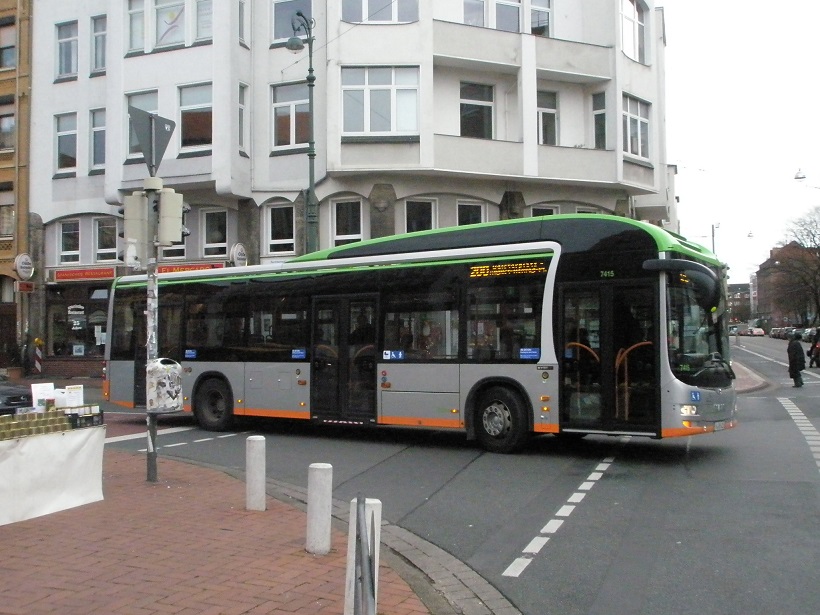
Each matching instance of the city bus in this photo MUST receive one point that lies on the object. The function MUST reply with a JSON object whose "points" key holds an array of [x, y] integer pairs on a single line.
{"points": [[567, 325]]}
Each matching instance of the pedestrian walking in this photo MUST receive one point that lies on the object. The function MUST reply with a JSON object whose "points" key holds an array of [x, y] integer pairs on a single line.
{"points": [[797, 360], [814, 351]]}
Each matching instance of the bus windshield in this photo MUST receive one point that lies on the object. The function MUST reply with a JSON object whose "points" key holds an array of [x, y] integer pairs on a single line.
{"points": [[696, 342]]}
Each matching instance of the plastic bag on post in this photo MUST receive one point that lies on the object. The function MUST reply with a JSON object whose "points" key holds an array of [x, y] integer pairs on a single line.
{"points": [[163, 386]]}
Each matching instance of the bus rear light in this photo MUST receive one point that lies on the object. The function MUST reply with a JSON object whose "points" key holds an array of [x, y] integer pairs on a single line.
{"points": [[385, 385], [302, 404], [545, 408], [545, 398], [301, 382]]}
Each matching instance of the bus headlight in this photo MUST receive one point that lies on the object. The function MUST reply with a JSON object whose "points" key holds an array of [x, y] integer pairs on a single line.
{"points": [[688, 410]]}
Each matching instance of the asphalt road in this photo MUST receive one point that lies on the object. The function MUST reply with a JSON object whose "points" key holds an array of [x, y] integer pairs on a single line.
{"points": [[723, 523]]}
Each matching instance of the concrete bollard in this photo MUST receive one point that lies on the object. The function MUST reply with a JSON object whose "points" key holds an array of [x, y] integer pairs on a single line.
{"points": [[255, 497], [373, 512], [319, 505]]}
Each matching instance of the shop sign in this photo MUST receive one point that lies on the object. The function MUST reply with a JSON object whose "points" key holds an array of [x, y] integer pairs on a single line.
{"points": [[23, 287], [239, 255], [24, 266], [188, 267], [78, 275]]}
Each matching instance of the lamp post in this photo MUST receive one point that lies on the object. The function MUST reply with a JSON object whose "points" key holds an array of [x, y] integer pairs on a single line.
{"points": [[296, 44], [714, 226]]}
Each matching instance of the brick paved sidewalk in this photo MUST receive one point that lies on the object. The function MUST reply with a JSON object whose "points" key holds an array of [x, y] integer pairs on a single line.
{"points": [[184, 545]]}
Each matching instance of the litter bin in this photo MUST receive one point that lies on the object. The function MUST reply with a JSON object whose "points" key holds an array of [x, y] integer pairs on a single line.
{"points": [[163, 386]]}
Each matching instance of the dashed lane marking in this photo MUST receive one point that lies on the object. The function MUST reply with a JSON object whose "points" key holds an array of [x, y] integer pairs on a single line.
{"points": [[535, 545], [805, 426]]}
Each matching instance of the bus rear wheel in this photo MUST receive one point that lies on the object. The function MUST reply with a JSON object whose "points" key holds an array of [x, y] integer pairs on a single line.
{"points": [[213, 405], [500, 421]]}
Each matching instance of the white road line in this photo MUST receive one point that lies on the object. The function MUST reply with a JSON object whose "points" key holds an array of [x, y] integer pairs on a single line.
{"points": [[805, 426], [536, 544], [143, 434]]}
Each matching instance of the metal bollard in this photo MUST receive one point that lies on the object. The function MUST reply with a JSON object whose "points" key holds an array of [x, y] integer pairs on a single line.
{"points": [[319, 503], [255, 497]]}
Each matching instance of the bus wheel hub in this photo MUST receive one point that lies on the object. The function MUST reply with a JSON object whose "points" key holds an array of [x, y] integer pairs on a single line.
{"points": [[496, 419]]}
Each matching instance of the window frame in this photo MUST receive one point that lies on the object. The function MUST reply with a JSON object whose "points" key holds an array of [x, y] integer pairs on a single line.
{"points": [[481, 207], [370, 89], [477, 103], [8, 127], [136, 25], [203, 21], [67, 50], [98, 44], [105, 254], [599, 120], [550, 210], [270, 241], [296, 138], [537, 9], [158, 7], [8, 46], [544, 113], [70, 256], [297, 5], [94, 130], [134, 150], [61, 135], [639, 121], [340, 239], [633, 30], [195, 108], [433, 211], [242, 116], [218, 249], [358, 11]]}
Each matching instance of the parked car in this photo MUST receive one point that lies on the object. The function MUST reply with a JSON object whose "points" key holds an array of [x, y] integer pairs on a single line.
{"points": [[13, 396], [756, 331]]}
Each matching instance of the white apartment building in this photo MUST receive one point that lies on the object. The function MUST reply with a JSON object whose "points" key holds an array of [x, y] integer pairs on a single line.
{"points": [[426, 114]]}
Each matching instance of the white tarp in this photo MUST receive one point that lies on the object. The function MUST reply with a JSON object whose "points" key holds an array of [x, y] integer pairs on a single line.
{"points": [[47, 473]]}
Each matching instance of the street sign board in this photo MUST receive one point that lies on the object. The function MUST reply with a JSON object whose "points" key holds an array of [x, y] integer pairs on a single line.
{"points": [[153, 135]]}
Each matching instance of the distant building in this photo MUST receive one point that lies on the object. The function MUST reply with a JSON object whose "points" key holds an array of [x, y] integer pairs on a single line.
{"points": [[427, 115], [739, 303]]}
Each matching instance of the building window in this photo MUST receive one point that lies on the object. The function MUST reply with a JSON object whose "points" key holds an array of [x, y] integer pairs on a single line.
{"points": [[471, 213], [8, 46], [599, 119], [380, 100], [291, 114], [106, 239], [66, 141], [633, 29], [7, 217], [243, 114], [215, 232], [281, 230], [548, 118], [67, 49], [474, 12], [204, 20], [347, 222], [70, 241], [476, 110], [98, 35], [369, 11], [175, 252], [282, 12], [196, 116], [636, 127], [8, 129], [169, 22], [541, 210], [97, 138], [146, 101], [419, 216], [508, 15], [243, 25], [540, 17], [136, 25]]}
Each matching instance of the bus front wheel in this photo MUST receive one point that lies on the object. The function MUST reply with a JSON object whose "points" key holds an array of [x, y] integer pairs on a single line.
{"points": [[500, 422], [213, 405]]}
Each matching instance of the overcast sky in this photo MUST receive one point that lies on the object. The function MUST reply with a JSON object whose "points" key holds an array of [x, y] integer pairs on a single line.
{"points": [[743, 114]]}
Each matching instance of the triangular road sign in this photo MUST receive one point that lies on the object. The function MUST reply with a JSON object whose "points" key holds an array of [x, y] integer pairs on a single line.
{"points": [[153, 135]]}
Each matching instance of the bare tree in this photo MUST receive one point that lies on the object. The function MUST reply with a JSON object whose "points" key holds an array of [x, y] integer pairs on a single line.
{"points": [[797, 283]]}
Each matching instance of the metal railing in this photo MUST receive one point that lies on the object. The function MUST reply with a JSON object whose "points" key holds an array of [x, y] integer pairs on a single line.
{"points": [[364, 596]]}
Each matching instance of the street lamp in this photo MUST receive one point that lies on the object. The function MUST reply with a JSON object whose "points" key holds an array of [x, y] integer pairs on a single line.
{"points": [[714, 226], [296, 44]]}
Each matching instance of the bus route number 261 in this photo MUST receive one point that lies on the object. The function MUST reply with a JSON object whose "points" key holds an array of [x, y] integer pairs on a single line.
{"points": [[607, 273]]}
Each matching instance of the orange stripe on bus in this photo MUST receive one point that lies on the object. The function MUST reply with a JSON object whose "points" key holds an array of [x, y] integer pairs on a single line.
{"points": [[678, 432], [545, 428], [276, 414], [417, 422]]}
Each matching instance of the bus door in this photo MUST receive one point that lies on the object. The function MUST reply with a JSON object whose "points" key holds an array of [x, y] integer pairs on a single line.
{"points": [[610, 378], [343, 381]]}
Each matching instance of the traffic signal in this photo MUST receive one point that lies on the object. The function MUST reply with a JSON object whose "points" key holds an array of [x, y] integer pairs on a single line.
{"points": [[135, 229], [172, 211]]}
